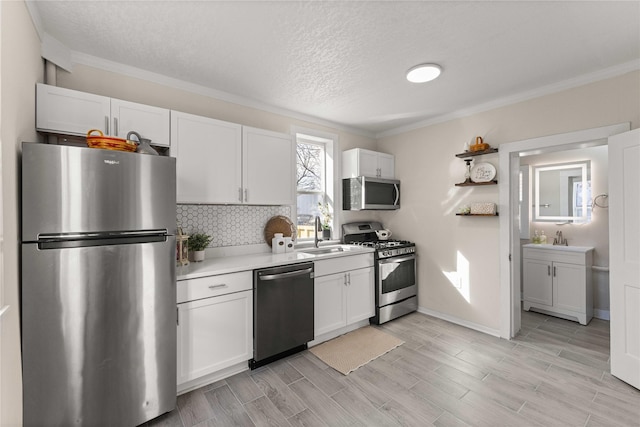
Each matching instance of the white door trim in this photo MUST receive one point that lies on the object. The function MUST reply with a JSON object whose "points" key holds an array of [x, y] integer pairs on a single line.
{"points": [[509, 241], [624, 235]]}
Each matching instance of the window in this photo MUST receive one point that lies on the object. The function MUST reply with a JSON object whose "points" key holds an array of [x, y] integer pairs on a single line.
{"points": [[314, 178]]}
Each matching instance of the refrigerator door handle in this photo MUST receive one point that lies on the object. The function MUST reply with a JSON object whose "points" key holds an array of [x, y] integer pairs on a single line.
{"points": [[82, 240], [100, 235]]}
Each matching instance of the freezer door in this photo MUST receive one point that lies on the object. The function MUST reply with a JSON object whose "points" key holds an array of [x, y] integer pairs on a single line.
{"points": [[75, 189], [98, 334]]}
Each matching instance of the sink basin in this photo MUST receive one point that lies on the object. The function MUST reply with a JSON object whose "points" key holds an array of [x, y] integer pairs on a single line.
{"points": [[318, 251], [333, 249]]}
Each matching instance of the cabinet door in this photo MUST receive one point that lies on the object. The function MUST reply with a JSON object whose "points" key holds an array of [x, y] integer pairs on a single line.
{"points": [[329, 303], [208, 159], [269, 167], [569, 286], [360, 295], [386, 165], [70, 112], [150, 122], [537, 284], [367, 163], [214, 333]]}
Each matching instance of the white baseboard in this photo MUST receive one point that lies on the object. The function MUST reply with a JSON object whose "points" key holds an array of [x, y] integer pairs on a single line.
{"points": [[461, 322], [601, 314], [212, 378]]}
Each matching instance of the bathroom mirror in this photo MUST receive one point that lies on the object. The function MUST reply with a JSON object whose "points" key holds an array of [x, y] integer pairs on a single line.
{"points": [[562, 192]]}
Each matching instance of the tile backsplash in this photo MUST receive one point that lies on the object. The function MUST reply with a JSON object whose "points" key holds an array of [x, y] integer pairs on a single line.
{"points": [[229, 225]]}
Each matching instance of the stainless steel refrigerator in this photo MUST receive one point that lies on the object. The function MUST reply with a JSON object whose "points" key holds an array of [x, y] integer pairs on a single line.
{"points": [[98, 289]]}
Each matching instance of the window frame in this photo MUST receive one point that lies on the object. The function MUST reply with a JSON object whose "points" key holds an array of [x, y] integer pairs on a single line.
{"points": [[331, 174]]}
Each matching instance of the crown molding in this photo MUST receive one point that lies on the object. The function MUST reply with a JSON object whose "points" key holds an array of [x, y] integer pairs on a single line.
{"points": [[616, 70], [119, 68]]}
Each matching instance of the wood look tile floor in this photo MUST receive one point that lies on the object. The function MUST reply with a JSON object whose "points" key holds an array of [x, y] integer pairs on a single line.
{"points": [[554, 373]]}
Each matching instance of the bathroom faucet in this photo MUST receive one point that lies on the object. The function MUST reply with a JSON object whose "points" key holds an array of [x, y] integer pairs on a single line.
{"points": [[559, 240], [317, 225]]}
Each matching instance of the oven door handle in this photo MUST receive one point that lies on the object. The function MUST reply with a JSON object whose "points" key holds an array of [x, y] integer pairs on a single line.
{"points": [[397, 259]]}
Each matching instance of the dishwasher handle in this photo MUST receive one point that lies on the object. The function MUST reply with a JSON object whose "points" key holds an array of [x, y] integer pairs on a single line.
{"points": [[285, 275]]}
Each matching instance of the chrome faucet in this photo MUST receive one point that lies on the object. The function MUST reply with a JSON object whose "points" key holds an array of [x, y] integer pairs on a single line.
{"points": [[318, 225]]}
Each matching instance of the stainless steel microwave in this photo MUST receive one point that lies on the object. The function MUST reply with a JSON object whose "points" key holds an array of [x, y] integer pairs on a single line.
{"points": [[366, 193]]}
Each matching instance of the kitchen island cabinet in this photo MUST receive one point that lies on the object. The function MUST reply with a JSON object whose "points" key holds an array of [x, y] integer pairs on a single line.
{"points": [[215, 328], [344, 292], [223, 162], [71, 112]]}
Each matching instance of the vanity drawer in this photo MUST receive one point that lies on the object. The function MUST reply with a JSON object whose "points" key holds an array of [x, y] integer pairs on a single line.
{"points": [[211, 286]]}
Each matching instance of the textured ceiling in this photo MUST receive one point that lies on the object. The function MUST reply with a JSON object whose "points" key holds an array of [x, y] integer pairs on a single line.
{"points": [[345, 61]]}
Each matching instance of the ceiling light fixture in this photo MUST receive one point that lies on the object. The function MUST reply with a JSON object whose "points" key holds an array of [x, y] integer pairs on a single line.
{"points": [[423, 73]]}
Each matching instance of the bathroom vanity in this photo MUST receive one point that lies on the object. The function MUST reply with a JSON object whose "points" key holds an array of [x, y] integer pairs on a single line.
{"points": [[557, 281]]}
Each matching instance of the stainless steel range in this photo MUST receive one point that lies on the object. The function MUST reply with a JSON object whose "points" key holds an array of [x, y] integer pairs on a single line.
{"points": [[396, 288]]}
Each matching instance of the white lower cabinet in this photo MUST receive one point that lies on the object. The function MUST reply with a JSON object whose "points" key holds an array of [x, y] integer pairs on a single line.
{"points": [[557, 280], [214, 332], [343, 295]]}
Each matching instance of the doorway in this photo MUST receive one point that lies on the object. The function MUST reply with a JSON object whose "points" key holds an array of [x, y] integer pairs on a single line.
{"points": [[510, 154]]}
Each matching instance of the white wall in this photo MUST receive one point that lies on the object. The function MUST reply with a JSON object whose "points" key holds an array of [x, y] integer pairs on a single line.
{"points": [[21, 68], [596, 232], [426, 165]]}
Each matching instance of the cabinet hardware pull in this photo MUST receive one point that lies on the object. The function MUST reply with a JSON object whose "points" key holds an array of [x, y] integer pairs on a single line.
{"points": [[106, 125], [548, 270], [345, 279], [177, 316], [221, 286], [554, 271], [115, 127], [240, 194], [349, 278], [246, 198]]}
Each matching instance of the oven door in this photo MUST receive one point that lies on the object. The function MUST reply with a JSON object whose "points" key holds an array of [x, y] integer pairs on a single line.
{"points": [[396, 279]]}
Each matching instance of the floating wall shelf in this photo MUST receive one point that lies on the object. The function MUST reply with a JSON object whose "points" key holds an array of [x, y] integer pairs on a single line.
{"points": [[470, 184], [476, 153]]}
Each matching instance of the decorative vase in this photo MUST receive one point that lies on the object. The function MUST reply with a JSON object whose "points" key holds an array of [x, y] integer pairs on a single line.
{"points": [[198, 256], [326, 234]]}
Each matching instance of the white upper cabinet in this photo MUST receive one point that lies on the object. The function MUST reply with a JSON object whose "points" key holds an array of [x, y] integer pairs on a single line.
{"points": [[222, 162], [150, 122], [268, 167], [208, 159], [361, 162], [71, 112]]}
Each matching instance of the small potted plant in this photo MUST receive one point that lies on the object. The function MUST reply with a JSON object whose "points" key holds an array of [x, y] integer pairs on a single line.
{"points": [[197, 244], [325, 220]]}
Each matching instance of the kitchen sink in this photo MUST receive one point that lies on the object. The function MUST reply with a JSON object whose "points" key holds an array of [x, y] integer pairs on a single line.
{"points": [[323, 250]]}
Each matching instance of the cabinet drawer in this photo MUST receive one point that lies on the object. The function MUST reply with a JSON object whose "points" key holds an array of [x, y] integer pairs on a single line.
{"points": [[340, 264], [211, 286], [554, 255]]}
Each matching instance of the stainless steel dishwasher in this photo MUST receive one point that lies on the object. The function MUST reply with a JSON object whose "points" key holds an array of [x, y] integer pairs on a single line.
{"points": [[282, 312]]}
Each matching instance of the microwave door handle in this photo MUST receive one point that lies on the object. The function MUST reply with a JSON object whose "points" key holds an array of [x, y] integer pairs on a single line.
{"points": [[395, 202]]}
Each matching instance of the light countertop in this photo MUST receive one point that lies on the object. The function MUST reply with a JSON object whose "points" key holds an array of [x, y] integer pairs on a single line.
{"points": [[233, 264], [558, 247]]}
